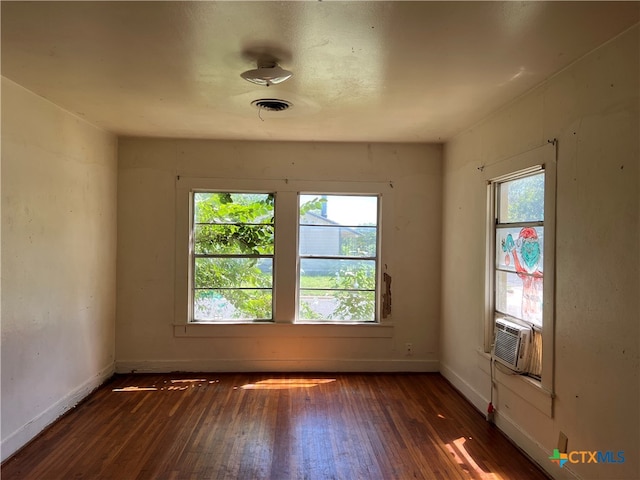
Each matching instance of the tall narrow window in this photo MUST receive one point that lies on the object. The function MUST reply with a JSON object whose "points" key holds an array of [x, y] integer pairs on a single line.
{"points": [[232, 256], [519, 258], [520, 248], [520, 265], [338, 258]]}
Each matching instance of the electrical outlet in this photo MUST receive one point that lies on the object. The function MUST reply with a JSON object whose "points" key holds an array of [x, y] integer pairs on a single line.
{"points": [[408, 349], [562, 442]]}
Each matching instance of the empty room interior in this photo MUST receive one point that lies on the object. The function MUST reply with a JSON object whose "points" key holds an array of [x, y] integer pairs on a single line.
{"points": [[340, 191]]}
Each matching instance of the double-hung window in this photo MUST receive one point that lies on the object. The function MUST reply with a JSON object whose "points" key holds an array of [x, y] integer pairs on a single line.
{"points": [[338, 263], [278, 252], [521, 256], [233, 247]]}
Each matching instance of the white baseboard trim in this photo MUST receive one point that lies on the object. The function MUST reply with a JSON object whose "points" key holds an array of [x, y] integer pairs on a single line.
{"points": [[33, 427], [476, 398], [532, 448], [513, 431], [269, 365]]}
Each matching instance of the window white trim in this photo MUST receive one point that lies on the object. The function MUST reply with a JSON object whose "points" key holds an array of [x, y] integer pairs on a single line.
{"points": [[543, 157], [525, 387], [286, 249], [311, 253], [281, 330]]}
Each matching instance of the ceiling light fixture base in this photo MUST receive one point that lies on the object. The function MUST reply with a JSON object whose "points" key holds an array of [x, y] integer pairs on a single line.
{"points": [[268, 73]]}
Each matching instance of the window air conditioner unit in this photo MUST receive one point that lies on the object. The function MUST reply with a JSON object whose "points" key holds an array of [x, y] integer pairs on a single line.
{"points": [[511, 346]]}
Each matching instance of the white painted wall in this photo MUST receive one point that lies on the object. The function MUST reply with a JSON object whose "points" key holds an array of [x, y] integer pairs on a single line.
{"points": [[58, 262], [145, 337], [592, 109]]}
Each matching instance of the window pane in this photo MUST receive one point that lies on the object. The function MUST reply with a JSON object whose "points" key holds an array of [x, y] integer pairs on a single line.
{"points": [[233, 239], [233, 207], [520, 296], [237, 230], [336, 240], [212, 305], [520, 250], [233, 272], [341, 288], [345, 210], [337, 274], [521, 200], [337, 305]]}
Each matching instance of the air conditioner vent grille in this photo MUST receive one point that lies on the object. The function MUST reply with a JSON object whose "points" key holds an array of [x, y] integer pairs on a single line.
{"points": [[506, 346], [271, 104], [511, 347]]}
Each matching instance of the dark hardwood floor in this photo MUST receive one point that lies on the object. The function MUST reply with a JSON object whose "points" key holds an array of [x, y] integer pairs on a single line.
{"points": [[272, 426]]}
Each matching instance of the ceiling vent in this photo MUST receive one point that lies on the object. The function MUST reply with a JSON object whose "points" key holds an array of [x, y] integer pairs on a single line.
{"points": [[272, 104]]}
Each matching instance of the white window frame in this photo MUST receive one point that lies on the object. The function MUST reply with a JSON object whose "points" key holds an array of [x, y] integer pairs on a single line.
{"points": [[539, 159], [194, 256], [286, 248], [376, 259]]}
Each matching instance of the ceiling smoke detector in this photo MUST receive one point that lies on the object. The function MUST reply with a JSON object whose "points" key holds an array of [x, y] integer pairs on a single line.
{"points": [[271, 104], [267, 73]]}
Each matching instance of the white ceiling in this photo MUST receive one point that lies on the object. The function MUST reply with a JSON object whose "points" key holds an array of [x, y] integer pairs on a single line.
{"points": [[363, 71]]}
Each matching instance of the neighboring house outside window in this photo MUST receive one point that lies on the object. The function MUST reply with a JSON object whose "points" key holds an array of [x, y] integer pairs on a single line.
{"points": [[338, 258]]}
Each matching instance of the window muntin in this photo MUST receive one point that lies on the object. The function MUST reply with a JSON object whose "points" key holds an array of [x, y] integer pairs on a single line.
{"points": [[338, 263], [232, 256], [519, 248]]}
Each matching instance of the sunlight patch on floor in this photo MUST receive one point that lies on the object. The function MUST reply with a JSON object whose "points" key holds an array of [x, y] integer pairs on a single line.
{"points": [[462, 457], [135, 389], [283, 383], [175, 385]]}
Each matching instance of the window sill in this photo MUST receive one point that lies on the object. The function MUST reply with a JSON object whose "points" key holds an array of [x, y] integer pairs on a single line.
{"points": [[528, 389], [289, 330]]}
